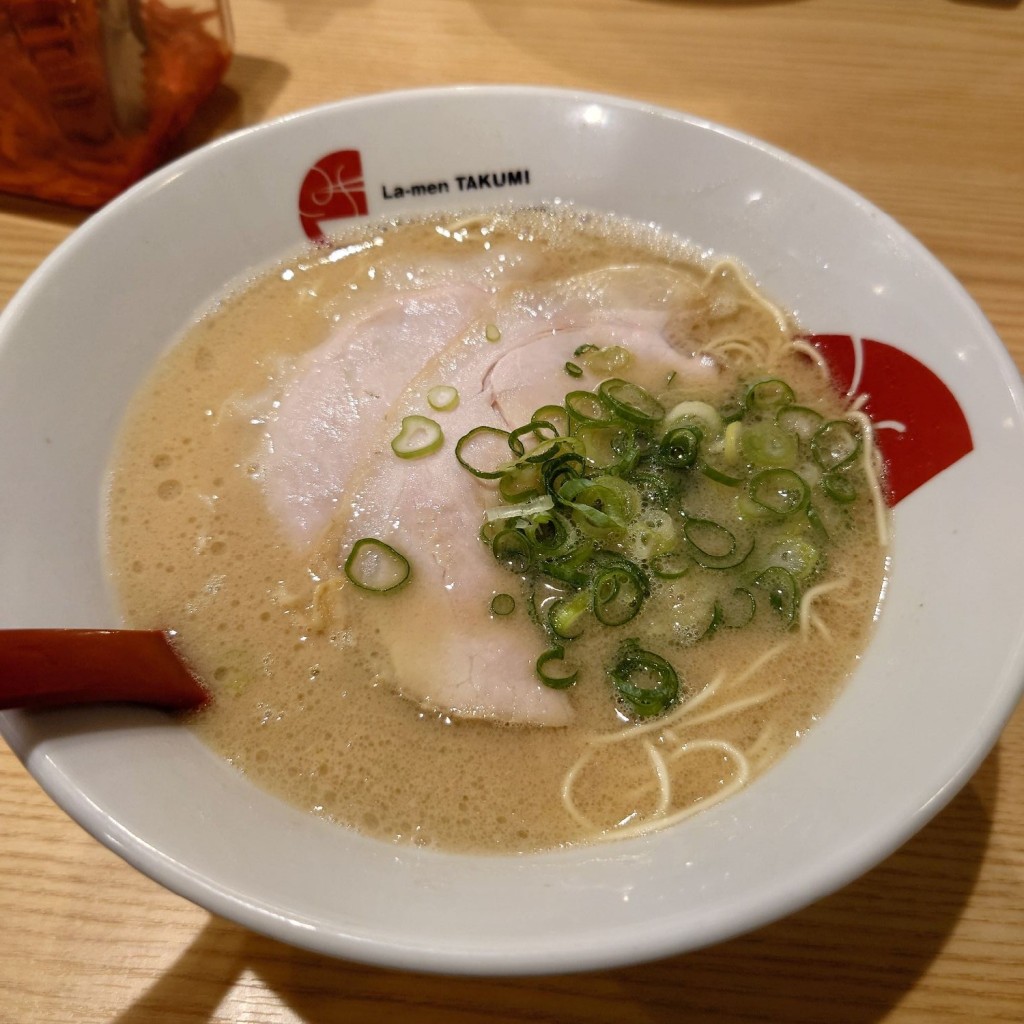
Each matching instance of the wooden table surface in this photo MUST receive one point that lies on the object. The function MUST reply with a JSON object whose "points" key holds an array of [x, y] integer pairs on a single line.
{"points": [[918, 105]]}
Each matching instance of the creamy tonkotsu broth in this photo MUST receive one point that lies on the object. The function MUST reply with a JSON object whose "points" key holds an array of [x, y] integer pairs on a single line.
{"points": [[259, 452]]}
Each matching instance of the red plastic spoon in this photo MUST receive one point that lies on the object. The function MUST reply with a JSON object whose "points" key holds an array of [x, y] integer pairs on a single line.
{"points": [[52, 667]]}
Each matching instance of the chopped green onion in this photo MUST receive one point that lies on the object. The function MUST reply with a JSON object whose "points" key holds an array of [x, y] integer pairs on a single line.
{"points": [[556, 471], [567, 616], [835, 444], [726, 479], [521, 511], [605, 503], [519, 483], [375, 566], [678, 448], [798, 420], [503, 604], [652, 488], [631, 402], [817, 524], [442, 398], [782, 591], [585, 407], [695, 414], [712, 546], [731, 442], [533, 427], [609, 359], [644, 680], [555, 680], [765, 444], [513, 550], [573, 370], [554, 447], [491, 332], [571, 567], [556, 415], [836, 483], [487, 447], [797, 556], [768, 394], [419, 436], [671, 566], [732, 411], [618, 593], [551, 534], [779, 490]]}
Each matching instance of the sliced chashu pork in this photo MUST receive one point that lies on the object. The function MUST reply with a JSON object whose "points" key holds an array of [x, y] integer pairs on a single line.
{"points": [[446, 650], [320, 420]]}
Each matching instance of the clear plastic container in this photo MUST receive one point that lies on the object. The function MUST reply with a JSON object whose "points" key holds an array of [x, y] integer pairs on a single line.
{"points": [[92, 92]]}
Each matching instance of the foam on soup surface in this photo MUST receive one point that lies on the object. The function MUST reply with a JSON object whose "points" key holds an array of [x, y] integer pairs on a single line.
{"points": [[695, 532]]}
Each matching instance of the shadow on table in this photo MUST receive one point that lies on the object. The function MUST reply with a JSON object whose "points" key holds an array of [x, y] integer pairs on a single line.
{"points": [[847, 959]]}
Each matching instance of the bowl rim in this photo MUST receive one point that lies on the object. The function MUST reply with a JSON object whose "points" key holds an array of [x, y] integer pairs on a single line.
{"points": [[192, 885]]}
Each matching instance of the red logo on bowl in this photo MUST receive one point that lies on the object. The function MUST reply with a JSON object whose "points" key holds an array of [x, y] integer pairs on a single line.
{"points": [[332, 190], [920, 428]]}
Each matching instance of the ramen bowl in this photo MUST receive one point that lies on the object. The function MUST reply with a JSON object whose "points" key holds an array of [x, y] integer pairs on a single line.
{"points": [[928, 697]]}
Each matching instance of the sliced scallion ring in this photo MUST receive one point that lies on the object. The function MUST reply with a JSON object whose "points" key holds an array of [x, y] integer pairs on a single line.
{"points": [[419, 436], [573, 370], [835, 444], [652, 488], [644, 680], [551, 534], [799, 420], [519, 483], [719, 476], [765, 444], [568, 615], [779, 490], [678, 448], [375, 566], [535, 427], [836, 483], [556, 415], [483, 452], [769, 394], [618, 594], [571, 567], [554, 679], [503, 604], [695, 414], [443, 398], [512, 549], [586, 407], [601, 503], [782, 591], [551, 447], [671, 566], [712, 546], [631, 402], [797, 556]]}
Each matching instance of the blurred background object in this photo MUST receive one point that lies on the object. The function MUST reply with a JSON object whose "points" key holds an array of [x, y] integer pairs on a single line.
{"points": [[92, 92]]}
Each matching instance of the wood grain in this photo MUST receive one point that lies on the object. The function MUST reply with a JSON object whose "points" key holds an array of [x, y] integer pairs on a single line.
{"points": [[918, 105]]}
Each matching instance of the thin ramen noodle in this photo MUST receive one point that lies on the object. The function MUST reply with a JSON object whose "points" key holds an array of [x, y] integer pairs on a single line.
{"points": [[397, 494]]}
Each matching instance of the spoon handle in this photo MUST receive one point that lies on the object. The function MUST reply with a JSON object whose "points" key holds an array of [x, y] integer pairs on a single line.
{"points": [[52, 667]]}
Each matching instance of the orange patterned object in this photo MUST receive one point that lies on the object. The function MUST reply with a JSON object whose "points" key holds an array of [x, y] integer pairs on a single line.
{"points": [[93, 91]]}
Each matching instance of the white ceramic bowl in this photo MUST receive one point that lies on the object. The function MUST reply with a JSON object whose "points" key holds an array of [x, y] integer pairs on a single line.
{"points": [[939, 679]]}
